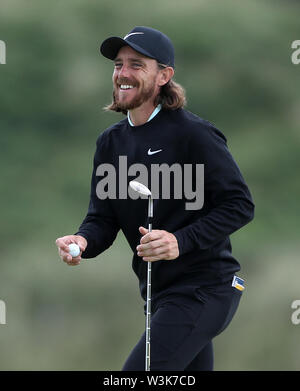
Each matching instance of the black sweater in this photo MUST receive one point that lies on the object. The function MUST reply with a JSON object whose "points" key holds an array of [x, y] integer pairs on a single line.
{"points": [[203, 234]]}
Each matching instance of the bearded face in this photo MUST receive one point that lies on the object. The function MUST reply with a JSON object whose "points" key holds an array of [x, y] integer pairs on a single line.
{"points": [[130, 93], [135, 80]]}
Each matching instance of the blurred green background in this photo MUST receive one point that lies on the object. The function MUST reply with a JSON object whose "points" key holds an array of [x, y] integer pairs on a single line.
{"points": [[234, 59]]}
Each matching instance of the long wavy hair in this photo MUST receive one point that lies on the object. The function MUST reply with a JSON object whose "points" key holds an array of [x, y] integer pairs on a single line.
{"points": [[171, 96]]}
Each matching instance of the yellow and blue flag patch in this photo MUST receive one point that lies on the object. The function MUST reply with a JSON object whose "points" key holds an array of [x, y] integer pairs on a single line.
{"points": [[238, 283]]}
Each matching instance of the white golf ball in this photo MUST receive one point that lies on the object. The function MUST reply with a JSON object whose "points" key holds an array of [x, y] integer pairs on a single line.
{"points": [[74, 250]]}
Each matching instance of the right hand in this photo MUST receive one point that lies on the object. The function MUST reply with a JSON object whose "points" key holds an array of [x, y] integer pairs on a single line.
{"points": [[63, 248]]}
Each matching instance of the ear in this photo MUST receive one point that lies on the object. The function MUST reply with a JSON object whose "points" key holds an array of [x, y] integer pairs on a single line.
{"points": [[166, 74]]}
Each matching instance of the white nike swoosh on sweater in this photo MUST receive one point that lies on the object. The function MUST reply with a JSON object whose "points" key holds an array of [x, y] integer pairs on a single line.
{"points": [[153, 152]]}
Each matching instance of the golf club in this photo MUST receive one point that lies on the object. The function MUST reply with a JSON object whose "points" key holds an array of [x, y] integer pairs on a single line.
{"points": [[142, 189]]}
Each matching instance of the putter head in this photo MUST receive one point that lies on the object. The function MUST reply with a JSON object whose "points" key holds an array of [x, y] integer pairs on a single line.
{"points": [[140, 188]]}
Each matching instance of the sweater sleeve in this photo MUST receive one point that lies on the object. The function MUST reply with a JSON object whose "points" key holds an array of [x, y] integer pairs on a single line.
{"points": [[227, 200], [100, 225]]}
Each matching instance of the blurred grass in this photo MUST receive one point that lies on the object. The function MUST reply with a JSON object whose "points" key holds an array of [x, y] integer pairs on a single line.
{"points": [[234, 61]]}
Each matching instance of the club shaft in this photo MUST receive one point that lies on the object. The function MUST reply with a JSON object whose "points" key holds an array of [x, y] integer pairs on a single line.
{"points": [[148, 304], [148, 318]]}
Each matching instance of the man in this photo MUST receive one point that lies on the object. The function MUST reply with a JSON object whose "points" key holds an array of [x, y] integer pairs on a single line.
{"points": [[194, 289]]}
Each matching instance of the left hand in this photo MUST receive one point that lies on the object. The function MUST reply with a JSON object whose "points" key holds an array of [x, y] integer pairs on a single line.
{"points": [[157, 245]]}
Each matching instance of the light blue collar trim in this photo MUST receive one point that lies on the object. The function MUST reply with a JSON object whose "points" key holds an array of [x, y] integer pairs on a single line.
{"points": [[155, 112]]}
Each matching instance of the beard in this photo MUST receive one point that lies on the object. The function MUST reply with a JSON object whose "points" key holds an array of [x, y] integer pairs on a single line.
{"points": [[140, 97]]}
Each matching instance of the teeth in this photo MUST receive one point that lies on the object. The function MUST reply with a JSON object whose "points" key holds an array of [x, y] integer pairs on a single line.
{"points": [[125, 87]]}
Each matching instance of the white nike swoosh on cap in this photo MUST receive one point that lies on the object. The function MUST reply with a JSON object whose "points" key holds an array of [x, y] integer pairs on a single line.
{"points": [[153, 152], [128, 35]]}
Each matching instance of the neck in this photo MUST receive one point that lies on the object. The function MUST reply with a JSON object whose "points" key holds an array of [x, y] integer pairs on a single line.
{"points": [[140, 115]]}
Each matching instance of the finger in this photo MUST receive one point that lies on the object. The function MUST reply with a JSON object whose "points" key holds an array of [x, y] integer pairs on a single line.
{"points": [[66, 257], [153, 251], [76, 259], [79, 243], [158, 253], [63, 244], [150, 245], [143, 230], [153, 235], [73, 263], [81, 246]]}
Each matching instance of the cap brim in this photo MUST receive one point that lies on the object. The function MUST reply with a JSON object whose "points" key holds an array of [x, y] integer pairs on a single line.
{"points": [[111, 46]]}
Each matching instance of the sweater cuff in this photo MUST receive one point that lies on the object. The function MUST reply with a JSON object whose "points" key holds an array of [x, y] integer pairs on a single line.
{"points": [[183, 245]]}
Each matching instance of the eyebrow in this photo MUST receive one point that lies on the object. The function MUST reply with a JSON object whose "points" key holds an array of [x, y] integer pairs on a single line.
{"points": [[136, 59]]}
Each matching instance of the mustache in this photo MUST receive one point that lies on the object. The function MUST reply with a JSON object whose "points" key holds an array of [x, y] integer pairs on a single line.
{"points": [[125, 80]]}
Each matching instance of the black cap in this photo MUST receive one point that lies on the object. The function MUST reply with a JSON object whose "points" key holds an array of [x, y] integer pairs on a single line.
{"points": [[145, 40]]}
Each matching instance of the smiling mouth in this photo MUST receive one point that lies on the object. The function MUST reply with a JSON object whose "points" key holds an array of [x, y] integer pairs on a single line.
{"points": [[125, 87]]}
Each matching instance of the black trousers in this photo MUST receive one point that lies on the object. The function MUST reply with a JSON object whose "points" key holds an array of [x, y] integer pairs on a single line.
{"points": [[184, 321]]}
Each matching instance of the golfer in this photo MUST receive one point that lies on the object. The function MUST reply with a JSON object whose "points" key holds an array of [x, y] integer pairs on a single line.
{"points": [[195, 286]]}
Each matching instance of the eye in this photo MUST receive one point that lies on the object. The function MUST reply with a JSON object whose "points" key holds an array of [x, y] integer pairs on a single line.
{"points": [[136, 65], [118, 65]]}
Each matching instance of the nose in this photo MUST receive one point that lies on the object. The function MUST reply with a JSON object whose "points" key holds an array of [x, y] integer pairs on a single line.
{"points": [[123, 71]]}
